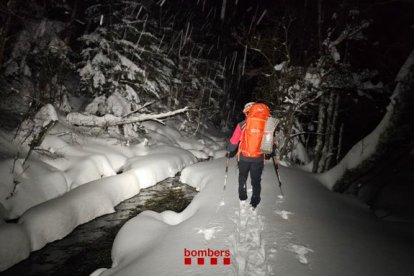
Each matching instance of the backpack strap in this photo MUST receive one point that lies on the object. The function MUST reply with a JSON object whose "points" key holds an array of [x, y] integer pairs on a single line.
{"points": [[242, 126]]}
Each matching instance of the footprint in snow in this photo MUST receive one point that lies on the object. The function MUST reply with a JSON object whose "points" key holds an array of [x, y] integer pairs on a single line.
{"points": [[209, 232], [284, 214], [280, 199], [248, 248], [300, 251]]}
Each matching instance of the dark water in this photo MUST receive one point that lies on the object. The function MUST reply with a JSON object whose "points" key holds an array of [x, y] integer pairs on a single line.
{"points": [[88, 247]]}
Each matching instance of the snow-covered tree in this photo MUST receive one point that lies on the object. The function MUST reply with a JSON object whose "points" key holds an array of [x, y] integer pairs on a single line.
{"points": [[37, 65], [131, 60], [364, 154], [308, 95]]}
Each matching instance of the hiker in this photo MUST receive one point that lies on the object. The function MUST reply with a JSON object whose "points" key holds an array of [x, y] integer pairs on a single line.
{"points": [[247, 139]]}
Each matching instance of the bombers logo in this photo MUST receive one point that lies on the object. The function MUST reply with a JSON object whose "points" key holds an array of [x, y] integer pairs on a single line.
{"points": [[213, 257]]}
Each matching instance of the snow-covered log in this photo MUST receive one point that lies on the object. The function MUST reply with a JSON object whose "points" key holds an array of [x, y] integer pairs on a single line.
{"points": [[111, 120]]}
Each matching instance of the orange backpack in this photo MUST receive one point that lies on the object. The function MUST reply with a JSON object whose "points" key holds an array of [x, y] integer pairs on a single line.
{"points": [[253, 131]]}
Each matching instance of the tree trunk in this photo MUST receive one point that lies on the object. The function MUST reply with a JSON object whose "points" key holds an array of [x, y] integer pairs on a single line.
{"points": [[320, 25], [339, 145], [328, 132], [4, 30], [288, 132], [320, 139], [332, 132], [71, 21]]}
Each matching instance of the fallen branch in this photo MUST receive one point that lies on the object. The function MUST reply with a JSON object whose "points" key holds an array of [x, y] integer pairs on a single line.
{"points": [[108, 120]]}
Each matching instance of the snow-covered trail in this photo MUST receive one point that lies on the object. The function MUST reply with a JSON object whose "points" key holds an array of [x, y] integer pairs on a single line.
{"points": [[345, 237], [310, 231]]}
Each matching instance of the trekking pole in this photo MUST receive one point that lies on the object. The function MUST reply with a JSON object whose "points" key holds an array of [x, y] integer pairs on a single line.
{"points": [[227, 170], [225, 181], [276, 166]]}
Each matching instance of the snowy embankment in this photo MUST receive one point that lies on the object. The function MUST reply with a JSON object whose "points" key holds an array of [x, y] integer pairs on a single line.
{"points": [[80, 183], [368, 146], [310, 231]]}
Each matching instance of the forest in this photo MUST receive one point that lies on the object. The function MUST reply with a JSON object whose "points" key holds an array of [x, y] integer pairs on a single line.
{"points": [[329, 70]]}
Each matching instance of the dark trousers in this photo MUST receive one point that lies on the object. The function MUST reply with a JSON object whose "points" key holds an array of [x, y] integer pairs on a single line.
{"points": [[255, 169]]}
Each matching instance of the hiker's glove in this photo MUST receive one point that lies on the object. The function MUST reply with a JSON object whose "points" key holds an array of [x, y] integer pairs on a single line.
{"points": [[272, 154], [274, 150], [230, 148]]}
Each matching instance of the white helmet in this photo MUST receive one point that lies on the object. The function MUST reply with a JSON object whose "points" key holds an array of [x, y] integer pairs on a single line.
{"points": [[247, 107]]}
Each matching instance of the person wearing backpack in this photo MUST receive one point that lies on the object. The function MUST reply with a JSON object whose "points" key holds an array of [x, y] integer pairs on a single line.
{"points": [[247, 137]]}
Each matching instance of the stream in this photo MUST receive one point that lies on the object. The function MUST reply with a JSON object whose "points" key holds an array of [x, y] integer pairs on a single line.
{"points": [[88, 247]]}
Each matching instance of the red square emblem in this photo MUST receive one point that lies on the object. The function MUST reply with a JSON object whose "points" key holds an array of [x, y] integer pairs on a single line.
{"points": [[187, 261], [226, 261]]}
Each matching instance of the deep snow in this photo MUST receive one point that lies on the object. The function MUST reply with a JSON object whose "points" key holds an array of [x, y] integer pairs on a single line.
{"points": [[86, 178], [310, 231]]}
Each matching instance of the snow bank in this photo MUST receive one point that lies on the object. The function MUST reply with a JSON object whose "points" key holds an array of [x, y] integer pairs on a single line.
{"points": [[55, 195], [368, 146], [358, 153], [163, 236], [36, 183], [14, 245], [56, 218], [202, 148]]}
